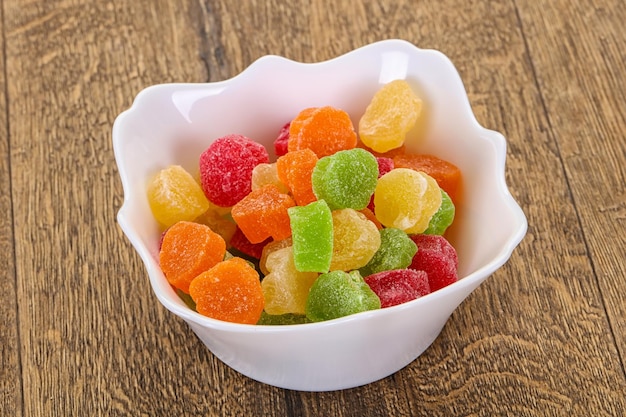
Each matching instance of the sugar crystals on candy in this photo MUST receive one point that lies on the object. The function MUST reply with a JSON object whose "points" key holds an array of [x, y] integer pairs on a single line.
{"points": [[174, 195], [396, 251], [187, 250], [339, 293], [285, 288], [438, 258], [355, 240], [312, 235], [346, 179], [406, 199], [324, 130], [263, 213], [230, 291], [226, 168], [393, 111], [398, 286]]}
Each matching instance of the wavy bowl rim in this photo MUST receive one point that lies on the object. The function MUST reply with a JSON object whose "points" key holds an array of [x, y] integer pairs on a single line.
{"points": [[472, 279]]}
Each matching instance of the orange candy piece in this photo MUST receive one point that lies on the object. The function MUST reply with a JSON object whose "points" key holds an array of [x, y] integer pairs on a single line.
{"points": [[371, 217], [294, 169], [324, 130], [263, 214], [188, 249], [447, 175], [230, 291]]}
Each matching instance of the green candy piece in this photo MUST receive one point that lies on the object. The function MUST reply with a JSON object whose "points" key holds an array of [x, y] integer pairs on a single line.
{"points": [[339, 293], [443, 217], [396, 252], [186, 299], [312, 236], [282, 319], [346, 179]]}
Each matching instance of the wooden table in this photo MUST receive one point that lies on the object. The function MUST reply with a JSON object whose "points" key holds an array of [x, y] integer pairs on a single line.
{"points": [[80, 330]]}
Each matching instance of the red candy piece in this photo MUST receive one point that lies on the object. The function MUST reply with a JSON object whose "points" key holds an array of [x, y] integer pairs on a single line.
{"points": [[282, 141], [240, 242], [226, 168], [438, 258], [398, 286], [384, 166]]}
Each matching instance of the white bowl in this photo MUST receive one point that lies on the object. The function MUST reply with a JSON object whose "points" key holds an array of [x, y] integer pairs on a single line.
{"points": [[173, 123]]}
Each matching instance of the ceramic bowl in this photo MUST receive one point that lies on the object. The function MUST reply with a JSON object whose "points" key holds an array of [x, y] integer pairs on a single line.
{"points": [[173, 123]]}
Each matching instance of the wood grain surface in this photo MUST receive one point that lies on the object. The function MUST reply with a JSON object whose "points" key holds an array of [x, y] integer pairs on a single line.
{"points": [[80, 330]]}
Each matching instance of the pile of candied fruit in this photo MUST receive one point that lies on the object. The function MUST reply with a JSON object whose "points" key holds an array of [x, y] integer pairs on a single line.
{"points": [[340, 223]]}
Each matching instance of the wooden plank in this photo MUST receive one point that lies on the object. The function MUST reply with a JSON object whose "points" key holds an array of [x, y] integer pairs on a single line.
{"points": [[94, 338], [580, 67], [533, 340], [542, 316], [528, 325], [10, 369]]}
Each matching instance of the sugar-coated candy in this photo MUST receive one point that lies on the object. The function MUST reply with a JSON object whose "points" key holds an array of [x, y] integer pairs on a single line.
{"points": [[406, 199], [355, 240], [443, 217], [264, 174], [447, 175], [285, 288], [220, 224], [393, 111], [324, 130], [281, 143], [263, 214], [282, 319], [230, 291], [240, 242], [398, 286], [371, 217], [304, 231], [384, 166], [226, 168], [396, 251], [174, 195], [269, 249], [389, 154], [438, 258], [294, 169], [346, 179], [187, 250], [312, 235], [339, 293]]}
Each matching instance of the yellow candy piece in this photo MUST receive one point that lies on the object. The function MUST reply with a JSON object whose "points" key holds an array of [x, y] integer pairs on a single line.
{"points": [[173, 196], [355, 240], [393, 111], [217, 221], [285, 289], [406, 199], [270, 248], [264, 174]]}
